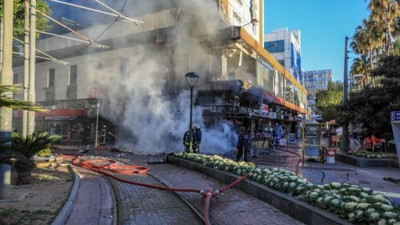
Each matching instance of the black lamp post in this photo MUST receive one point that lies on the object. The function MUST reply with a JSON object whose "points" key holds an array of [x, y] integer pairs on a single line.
{"points": [[192, 79]]}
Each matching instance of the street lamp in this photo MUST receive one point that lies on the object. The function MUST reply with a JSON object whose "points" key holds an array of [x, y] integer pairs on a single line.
{"points": [[192, 79]]}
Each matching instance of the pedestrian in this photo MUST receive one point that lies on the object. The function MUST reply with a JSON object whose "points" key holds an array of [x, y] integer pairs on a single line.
{"points": [[244, 144], [188, 141], [197, 138], [69, 136]]}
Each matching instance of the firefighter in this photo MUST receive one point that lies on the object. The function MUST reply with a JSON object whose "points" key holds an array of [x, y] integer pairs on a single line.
{"points": [[244, 144], [196, 138], [188, 141]]}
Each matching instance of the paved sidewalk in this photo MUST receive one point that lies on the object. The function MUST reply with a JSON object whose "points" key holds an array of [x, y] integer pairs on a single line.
{"points": [[231, 208], [146, 206], [94, 205]]}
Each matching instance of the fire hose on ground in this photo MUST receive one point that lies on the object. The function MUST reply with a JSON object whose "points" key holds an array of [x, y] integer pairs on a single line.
{"points": [[297, 167], [102, 165]]}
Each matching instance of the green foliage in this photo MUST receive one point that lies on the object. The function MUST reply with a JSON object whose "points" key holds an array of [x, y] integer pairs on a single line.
{"points": [[33, 143], [371, 106], [357, 204], [328, 100], [19, 16], [7, 101]]}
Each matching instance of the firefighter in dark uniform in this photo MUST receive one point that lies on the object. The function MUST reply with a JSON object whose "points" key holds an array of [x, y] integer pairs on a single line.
{"points": [[244, 144], [188, 141], [197, 138]]}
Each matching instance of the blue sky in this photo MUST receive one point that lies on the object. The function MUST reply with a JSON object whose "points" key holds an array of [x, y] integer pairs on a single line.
{"points": [[323, 24]]}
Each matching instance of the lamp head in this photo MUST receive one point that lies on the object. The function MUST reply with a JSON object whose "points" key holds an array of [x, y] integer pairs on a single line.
{"points": [[192, 78]]}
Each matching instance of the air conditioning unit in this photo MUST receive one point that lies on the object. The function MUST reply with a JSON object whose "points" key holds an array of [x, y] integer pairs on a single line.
{"points": [[235, 32]]}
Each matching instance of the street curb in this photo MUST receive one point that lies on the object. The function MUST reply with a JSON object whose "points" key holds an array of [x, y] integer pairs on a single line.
{"points": [[289, 205], [69, 204]]}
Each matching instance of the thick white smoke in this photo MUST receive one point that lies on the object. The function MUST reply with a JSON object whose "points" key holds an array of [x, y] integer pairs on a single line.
{"points": [[135, 99]]}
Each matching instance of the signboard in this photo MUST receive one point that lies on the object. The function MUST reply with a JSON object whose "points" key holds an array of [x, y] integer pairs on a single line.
{"points": [[395, 116], [272, 115], [264, 110], [58, 118]]}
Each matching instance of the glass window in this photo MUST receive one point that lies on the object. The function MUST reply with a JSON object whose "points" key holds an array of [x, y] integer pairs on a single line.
{"points": [[15, 78], [73, 72], [275, 46], [51, 77]]}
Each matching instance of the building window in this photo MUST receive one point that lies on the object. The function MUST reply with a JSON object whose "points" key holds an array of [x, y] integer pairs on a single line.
{"points": [[15, 78], [275, 46], [51, 77], [73, 73], [237, 17]]}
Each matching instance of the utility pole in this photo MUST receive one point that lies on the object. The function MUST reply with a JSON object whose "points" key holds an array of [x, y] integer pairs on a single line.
{"points": [[1, 42], [26, 69], [97, 124], [32, 62], [6, 79], [345, 139]]}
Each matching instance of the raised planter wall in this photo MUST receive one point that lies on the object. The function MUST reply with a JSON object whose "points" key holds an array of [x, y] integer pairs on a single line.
{"points": [[367, 162], [297, 209]]}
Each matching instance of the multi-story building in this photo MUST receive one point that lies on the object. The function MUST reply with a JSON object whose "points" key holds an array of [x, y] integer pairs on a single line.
{"points": [[285, 46], [314, 81], [222, 41]]}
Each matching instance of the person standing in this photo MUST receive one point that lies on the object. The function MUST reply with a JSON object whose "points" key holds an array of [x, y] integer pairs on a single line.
{"points": [[197, 138], [188, 141], [244, 144]]}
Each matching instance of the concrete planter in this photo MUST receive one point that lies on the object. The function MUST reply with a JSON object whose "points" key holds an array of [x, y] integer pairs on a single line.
{"points": [[297, 209], [367, 162]]}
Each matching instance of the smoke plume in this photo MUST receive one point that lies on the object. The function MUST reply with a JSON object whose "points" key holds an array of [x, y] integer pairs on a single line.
{"points": [[150, 109]]}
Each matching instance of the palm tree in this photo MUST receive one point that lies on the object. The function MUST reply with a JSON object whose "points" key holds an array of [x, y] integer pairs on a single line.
{"points": [[7, 101], [25, 148], [360, 66], [362, 44], [388, 12]]}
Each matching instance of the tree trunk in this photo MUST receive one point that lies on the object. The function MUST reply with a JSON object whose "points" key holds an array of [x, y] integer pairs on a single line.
{"points": [[24, 169], [24, 177], [371, 65]]}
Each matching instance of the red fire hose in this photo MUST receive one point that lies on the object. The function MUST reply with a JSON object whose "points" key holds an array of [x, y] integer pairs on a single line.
{"points": [[296, 170], [101, 165], [207, 209]]}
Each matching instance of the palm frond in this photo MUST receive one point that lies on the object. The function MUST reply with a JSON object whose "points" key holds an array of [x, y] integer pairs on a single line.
{"points": [[33, 143], [6, 100]]}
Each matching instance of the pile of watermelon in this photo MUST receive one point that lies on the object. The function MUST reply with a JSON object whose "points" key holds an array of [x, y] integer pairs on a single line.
{"points": [[357, 204]]}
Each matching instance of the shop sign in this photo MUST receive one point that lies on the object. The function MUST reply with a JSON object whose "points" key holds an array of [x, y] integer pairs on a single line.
{"points": [[58, 118], [264, 110], [254, 112], [272, 115], [395, 116]]}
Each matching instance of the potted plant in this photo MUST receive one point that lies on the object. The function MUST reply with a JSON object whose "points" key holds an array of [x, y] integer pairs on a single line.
{"points": [[25, 148]]}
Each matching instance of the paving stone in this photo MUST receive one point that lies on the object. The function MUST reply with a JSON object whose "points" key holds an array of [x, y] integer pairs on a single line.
{"points": [[142, 205], [232, 207], [94, 204]]}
